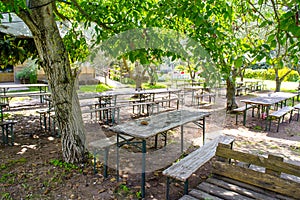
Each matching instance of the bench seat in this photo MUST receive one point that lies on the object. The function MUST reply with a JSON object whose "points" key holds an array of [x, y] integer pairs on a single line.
{"points": [[200, 97], [297, 107], [241, 110], [230, 180], [279, 114], [184, 169], [105, 111]]}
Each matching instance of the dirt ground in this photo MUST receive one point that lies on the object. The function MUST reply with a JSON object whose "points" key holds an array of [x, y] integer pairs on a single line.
{"points": [[33, 167]]}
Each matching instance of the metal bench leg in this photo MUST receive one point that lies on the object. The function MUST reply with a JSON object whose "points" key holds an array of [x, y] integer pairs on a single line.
{"points": [[155, 144], [278, 124], [12, 134], [106, 151], [236, 118], [186, 186], [95, 160], [167, 188], [291, 115], [3, 134]]}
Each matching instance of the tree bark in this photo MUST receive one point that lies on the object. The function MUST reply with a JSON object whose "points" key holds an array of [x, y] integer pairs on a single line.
{"points": [[230, 95], [55, 62], [277, 81]]}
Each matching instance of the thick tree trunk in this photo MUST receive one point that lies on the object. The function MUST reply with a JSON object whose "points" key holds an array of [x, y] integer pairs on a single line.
{"points": [[230, 95], [55, 62]]}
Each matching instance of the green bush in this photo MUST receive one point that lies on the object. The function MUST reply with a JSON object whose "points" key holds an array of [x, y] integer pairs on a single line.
{"points": [[29, 73], [269, 74]]}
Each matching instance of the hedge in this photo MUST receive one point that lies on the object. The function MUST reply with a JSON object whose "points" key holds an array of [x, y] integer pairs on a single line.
{"points": [[269, 74]]}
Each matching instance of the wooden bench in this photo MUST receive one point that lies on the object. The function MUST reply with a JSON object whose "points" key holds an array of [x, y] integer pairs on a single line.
{"points": [[7, 128], [239, 90], [242, 110], [200, 97], [264, 178], [44, 115], [187, 166], [11, 95], [141, 107], [167, 100], [297, 107], [105, 144], [279, 114], [107, 112]]}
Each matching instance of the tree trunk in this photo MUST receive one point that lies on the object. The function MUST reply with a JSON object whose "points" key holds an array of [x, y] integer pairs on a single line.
{"points": [[277, 81], [230, 95], [55, 62]]}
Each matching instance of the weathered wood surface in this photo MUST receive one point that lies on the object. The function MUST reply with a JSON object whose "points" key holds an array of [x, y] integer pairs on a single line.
{"points": [[221, 192], [183, 169], [297, 106], [258, 179], [158, 123], [263, 191], [188, 197], [282, 111], [243, 108], [101, 109], [202, 195], [272, 164], [238, 189]]}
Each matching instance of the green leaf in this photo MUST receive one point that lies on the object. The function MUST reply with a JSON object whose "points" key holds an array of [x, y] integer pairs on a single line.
{"points": [[271, 38], [273, 44], [238, 62]]}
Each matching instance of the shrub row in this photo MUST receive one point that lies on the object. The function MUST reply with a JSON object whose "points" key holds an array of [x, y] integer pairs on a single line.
{"points": [[269, 74]]}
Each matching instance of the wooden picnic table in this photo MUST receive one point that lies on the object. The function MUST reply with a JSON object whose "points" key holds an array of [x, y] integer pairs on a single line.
{"points": [[266, 101], [145, 128], [194, 89], [5, 94]]}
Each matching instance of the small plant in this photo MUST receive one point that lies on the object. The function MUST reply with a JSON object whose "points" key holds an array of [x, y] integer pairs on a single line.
{"points": [[6, 196], [29, 73], [258, 128], [62, 164]]}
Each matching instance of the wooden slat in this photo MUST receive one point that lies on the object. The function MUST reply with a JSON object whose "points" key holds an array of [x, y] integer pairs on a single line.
{"points": [[275, 165], [187, 197], [221, 192], [281, 112], [297, 106], [183, 169], [258, 179], [271, 194], [202, 195], [238, 189], [243, 108]]}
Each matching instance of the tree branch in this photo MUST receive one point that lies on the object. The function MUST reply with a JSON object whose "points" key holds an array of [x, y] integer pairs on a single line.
{"points": [[103, 25]]}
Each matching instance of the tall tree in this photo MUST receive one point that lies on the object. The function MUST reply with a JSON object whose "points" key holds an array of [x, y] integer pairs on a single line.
{"points": [[108, 17]]}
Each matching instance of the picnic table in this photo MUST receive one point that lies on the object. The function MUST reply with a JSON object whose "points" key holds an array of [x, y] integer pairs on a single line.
{"points": [[145, 128], [266, 101], [195, 89], [5, 94]]}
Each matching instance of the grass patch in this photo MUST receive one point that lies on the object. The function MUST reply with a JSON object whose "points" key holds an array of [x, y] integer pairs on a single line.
{"points": [[4, 166], [156, 86], [94, 88], [258, 128], [64, 165]]}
